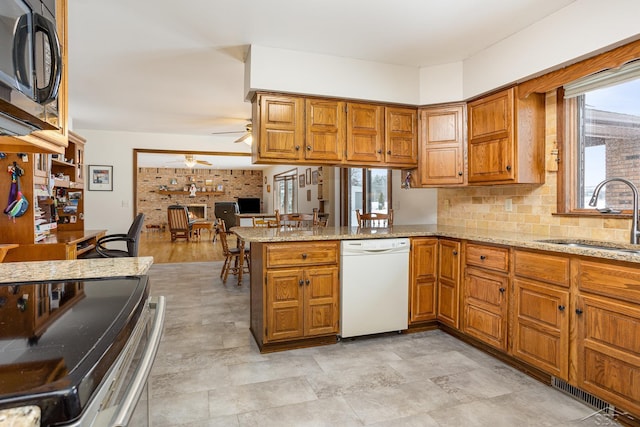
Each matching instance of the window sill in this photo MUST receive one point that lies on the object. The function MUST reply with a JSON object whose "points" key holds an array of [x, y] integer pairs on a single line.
{"points": [[594, 214]]}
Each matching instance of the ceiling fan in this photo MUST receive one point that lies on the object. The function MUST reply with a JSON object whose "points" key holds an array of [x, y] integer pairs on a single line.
{"points": [[246, 138], [190, 161]]}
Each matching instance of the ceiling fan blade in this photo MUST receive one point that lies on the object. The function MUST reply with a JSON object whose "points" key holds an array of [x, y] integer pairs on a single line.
{"points": [[243, 138], [227, 133], [204, 162]]}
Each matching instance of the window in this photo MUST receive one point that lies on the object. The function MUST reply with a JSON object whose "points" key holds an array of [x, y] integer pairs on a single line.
{"points": [[368, 190], [603, 124], [285, 190]]}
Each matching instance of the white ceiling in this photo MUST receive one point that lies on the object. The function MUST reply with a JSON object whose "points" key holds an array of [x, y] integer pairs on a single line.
{"points": [[177, 66]]}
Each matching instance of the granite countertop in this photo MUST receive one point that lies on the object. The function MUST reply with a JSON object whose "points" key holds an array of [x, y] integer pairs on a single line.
{"points": [[11, 272], [516, 239]]}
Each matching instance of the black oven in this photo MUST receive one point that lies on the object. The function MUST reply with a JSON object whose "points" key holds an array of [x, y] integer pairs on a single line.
{"points": [[30, 66], [78, 353]]}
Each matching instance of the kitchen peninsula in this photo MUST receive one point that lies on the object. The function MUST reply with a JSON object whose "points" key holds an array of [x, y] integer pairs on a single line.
{"points": [[565, 311]]}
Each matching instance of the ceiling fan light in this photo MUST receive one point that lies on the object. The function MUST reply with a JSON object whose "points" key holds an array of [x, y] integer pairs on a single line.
{"points": [[189, 161], [249, 140]]}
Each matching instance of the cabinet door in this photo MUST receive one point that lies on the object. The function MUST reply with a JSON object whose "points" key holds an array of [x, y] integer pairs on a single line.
{"points": [[365, 125], [281, 128], [448, 282], [423, 272], [491, 143], [325, 124], [322, 306], [541, 326], [401, 136], [284, 304], [608, 360], [442, 137], [486, 306]]}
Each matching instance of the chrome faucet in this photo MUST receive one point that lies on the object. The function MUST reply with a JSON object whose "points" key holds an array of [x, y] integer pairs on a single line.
{"points": [[635, 233]]}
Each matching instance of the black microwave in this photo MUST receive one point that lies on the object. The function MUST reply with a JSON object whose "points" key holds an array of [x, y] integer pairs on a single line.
{"points": [[30, 66]]}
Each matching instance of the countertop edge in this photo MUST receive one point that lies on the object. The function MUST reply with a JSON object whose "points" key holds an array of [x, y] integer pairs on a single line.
{"points": [[513, 239], [12, 272]]}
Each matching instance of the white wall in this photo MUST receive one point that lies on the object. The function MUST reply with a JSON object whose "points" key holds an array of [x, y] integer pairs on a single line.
{"points": [[441, 83], [308, 73], [113, 210], [572, 33], [415, 205]]}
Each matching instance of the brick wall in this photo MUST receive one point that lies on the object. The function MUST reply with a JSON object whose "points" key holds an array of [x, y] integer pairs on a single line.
{"points": [[236, 183], [532, 205]]}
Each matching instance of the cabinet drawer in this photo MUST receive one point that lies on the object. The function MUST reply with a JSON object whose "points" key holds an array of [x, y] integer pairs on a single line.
{"points": [[300, 254], [544, 267], [613, 280], [489, 257]]}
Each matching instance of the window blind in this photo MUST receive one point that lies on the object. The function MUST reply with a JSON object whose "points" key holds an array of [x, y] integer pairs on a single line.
{"points": [[606, 78]]}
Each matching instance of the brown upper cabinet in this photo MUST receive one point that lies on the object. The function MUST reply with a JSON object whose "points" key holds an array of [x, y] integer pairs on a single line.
{"points": [[442, 146], [278, 127], [365, 133], [325, 130], [506, 138], [401, 136], [297, 129]]}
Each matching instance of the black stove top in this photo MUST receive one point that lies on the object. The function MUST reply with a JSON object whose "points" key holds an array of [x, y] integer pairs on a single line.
{"points": [[58, 339]]}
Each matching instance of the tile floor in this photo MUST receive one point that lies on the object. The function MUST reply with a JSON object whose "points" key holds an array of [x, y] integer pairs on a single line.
{"points": [[209, 372]]}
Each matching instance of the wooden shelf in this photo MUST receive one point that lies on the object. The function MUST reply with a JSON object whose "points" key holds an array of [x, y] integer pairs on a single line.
{"points": [[62, 163], [198, 193]]}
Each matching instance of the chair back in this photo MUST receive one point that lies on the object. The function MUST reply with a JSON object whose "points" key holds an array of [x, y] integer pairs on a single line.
{"points": [[374, 220], [297, 220], [178, 216], [264, 222], [222, 232], [134, 235]]}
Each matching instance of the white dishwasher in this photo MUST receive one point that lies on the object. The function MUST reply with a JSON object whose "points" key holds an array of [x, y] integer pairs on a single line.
{"points": [[374, 286]]}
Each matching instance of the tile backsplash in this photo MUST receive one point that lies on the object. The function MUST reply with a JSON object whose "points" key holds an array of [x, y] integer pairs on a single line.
{"points": [[532, 206]]}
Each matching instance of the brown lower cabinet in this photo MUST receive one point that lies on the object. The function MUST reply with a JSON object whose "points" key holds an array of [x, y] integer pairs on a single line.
{"points": [[486, 294], [449, 256], [295, 290], [607, 322], [540, 321], [422, 276]]}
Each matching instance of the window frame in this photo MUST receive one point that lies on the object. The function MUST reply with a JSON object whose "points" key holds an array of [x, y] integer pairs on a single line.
{"points": [[289, 175], [345, 176]]}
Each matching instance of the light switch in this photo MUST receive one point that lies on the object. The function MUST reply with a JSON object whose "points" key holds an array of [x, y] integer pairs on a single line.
{"points": [[508, 206]]}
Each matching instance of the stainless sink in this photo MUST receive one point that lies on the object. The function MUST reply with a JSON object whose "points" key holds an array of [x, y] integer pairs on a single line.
{"points": [[587, 244]]}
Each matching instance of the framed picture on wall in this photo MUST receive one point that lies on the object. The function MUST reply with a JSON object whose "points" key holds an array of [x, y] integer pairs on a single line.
{"points": [[314, 177], [100, 178], [308, 174], [301, 180]]}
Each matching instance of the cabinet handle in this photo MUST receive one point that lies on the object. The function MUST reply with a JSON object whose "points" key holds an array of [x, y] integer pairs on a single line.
{"points": [[455, 252], [459, 173], [509, 168], [297, 148], [379, 151], [308, 148], [389, 152], [304, 256], [301, 282], [307, 282], [561, 307], [502, 290], [482, 257], [579, 311]]}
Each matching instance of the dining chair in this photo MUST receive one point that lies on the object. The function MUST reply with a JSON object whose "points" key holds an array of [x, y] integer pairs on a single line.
{"points": [[131, 239], [264, 222], [180, 226], [374, 219], [234, 258], [297, 220]]}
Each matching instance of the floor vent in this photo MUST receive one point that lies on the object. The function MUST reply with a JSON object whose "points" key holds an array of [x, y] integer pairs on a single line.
{"points": [[583, 396]]}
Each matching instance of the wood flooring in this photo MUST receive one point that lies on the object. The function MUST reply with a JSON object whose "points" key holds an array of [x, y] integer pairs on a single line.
{"points": [[158, 244]]}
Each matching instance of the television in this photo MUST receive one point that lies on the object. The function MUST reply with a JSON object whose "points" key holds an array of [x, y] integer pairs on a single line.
{"points": [[249, 205]]}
